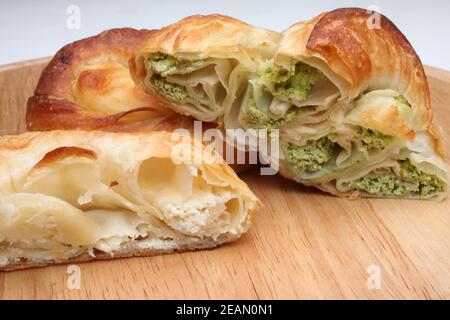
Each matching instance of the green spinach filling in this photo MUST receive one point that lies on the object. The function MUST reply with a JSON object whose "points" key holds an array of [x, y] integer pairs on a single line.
{"points": [[172, 91], [165, 65], [161, 65], [411, 181], [372, 139], [312, 156], [257, 118], [295, 83]]}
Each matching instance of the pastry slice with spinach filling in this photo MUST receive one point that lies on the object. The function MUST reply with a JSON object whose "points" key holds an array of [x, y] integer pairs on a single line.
{"points": [[373, 140], [199, 85], [407, 180], [276, 95], [293, 84], [201, 63], [258, 115], [312, 156]]}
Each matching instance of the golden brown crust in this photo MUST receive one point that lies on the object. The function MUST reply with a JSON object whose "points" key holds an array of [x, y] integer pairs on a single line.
{"points": [[206, 36], [391, 123], [86, 70], [213, 35], [85, 79], [61, 153], [387, 120], [45, 113], [365, 56], [57, 76]]}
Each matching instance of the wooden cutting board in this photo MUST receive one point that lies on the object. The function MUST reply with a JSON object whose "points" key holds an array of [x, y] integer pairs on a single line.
{"points": [[304, 244]]}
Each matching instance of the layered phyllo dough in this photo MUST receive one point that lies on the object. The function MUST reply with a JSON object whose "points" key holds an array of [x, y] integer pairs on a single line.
{"points": [[370, 150], [348, 102], [75, 196], [197, 66]]}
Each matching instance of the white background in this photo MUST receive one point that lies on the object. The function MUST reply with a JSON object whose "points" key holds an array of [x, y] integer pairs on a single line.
{"points": [[33, 29]]}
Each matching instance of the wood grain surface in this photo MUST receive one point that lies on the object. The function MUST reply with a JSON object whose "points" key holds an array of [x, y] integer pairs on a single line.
{"points": [[304, 244]]}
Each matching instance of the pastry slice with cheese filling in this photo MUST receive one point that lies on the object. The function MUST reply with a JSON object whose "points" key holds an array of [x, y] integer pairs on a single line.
{"points": [[77, 196]]}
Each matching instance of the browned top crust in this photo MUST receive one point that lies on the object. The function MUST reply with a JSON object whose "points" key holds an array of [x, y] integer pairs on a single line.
{"points": [[214, 35], [87, 85], [365, 50], [57, 76], [61, 153]]}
